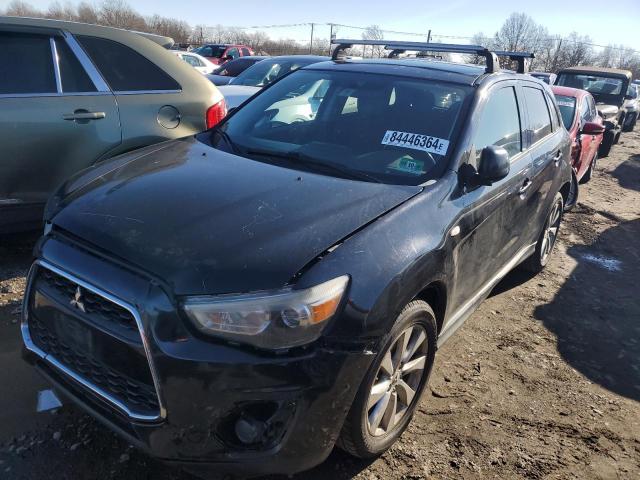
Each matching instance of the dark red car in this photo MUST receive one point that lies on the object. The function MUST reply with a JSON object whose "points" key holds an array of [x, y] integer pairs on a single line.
{"points": [[220, 53], [585, 126]]}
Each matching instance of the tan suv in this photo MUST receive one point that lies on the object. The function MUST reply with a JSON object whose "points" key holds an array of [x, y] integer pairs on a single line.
{"points": [[73, 94]]}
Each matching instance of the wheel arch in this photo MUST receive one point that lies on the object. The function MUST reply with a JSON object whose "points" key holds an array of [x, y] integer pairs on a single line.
{"points": [[435, 294]]}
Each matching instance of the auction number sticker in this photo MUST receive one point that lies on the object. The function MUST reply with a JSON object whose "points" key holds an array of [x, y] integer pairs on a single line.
{"points": [[416, 141], [565, 103]]}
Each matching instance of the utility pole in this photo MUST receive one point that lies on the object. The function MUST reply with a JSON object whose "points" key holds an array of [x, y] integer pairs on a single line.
{"points": [[429, 36], [330, 36], [311, 42]]}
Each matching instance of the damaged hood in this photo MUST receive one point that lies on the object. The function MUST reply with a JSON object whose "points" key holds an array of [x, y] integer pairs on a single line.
{"points": [[208, 222], [607, 112]]}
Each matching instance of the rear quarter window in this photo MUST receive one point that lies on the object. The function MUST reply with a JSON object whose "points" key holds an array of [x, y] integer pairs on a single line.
{"points": [[124, 69]]}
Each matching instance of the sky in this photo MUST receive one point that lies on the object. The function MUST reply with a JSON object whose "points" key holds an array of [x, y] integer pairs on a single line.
{"points": [[618, 22]]}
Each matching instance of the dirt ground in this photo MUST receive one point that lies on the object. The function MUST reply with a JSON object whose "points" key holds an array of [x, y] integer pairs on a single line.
{"points": [[543, 381]]}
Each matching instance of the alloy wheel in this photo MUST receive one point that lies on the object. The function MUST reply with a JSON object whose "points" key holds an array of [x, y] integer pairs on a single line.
{"points": [[397, 380], [551, 232]]}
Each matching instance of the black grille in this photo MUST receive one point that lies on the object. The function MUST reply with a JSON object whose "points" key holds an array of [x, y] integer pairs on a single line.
{"points": [[97, 308], [137, 396]]}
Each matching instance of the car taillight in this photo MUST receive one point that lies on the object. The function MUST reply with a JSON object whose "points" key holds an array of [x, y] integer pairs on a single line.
{"points": [[216, 113]]}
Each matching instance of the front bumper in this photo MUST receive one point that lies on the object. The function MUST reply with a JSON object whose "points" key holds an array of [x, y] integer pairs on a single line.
{"points": [[221, 406]]}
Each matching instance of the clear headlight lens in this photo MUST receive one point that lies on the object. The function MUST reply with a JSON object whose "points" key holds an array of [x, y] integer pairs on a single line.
{"points": [[282, 319]]}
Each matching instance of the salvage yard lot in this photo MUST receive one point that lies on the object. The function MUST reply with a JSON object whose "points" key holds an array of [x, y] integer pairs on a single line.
{"points": [[543, 381]]}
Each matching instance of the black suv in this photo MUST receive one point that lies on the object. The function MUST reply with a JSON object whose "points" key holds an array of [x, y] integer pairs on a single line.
{"points": [[247, 298]]}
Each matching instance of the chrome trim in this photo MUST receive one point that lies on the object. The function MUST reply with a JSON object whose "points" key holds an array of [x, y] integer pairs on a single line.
{"points": [[26, 337], [144, 92], [86, 63], [56, 64], [54, 94]]}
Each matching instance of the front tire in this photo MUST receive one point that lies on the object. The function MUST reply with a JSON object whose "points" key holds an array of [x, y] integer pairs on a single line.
{"points": [[391, 389], [539, 259], [607, 144], [630, 124]]}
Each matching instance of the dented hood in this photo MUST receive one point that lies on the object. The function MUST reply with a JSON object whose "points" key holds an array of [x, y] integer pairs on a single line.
{"points": [[205, 221]]}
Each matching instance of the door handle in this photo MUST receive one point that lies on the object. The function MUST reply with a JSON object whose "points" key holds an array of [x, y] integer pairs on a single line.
{"points": [[84, 115], [557, 157], [525, 186]]}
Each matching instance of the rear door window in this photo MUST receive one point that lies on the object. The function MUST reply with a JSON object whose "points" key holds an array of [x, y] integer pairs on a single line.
{"points": [[499, 124], [26, 64], [233, 53], [539, 116], [72, 74], [124, 69], [246, 52]]}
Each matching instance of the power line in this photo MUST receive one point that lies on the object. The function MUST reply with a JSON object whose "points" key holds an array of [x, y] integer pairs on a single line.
{"points": [[433, 35]]}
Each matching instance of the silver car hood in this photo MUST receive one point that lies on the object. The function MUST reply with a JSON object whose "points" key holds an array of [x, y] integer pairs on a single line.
{"points": [[234, 95]]}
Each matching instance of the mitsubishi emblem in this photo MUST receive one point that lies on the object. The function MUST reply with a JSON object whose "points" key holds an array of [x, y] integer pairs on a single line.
{"points": [[76, 301]]}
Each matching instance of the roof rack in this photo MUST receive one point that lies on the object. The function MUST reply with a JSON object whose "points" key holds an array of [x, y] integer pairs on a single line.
{"points": [[398, 47], [517, 57]]}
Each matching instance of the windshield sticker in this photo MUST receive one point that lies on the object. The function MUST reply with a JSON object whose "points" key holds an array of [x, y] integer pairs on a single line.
{"points": [[416, 141], [408, 164], [565, 104]]}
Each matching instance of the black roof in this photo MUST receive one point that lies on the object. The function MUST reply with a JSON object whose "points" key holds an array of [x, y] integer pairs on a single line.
{"points": [[462, 73]]}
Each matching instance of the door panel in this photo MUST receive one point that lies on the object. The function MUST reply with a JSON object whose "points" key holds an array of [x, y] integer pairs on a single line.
{"points": [[41, 149], [53, 119], [489, 232], [549, 144]]}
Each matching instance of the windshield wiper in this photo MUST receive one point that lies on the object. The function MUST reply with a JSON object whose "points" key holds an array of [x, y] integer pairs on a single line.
{"points": [[225, 136], [297, 158]]}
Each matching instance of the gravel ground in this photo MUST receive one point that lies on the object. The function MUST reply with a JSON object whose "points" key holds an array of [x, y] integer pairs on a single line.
{"points": [[543, 381]]}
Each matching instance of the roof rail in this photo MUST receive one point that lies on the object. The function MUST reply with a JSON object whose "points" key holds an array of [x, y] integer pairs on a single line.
{"points": [[398, 47], [517, 57]]}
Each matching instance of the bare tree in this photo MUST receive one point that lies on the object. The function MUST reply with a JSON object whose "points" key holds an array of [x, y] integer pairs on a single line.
{"points": [[59, 11], [87, 13], [118, 13], [19, 8], [373, 32], [179, 30]]}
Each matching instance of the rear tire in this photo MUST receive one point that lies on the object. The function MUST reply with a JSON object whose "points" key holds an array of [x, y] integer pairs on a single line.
{"points": [[630, 125], [402, 365], [606, 145], [539, 259]]}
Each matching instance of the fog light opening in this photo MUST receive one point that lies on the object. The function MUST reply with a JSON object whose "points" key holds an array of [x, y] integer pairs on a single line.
{"points": [[249, 430]]}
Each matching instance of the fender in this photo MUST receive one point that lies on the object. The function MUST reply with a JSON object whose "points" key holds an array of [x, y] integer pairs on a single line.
{"points": [[399, 255]]}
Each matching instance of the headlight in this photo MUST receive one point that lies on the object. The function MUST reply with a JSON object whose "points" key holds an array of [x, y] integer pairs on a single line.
{"points": [[281, 319]]}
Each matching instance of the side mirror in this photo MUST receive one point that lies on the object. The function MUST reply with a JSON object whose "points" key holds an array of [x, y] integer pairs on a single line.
{"points": [[629, 97], [592, 128], [494, 165]]}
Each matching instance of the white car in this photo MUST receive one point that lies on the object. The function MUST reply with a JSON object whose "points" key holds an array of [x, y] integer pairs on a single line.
{"points": [[198, 62], [261, 74]]}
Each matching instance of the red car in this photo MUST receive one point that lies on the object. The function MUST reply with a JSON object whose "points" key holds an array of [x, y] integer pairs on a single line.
{"points": [[221, 53], [580, 117]]}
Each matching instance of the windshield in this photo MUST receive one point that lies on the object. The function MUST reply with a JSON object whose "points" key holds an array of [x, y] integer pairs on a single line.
{"points": [[371, 127], [267, 71], [214, 51], [596, 85], [567, 109]]}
